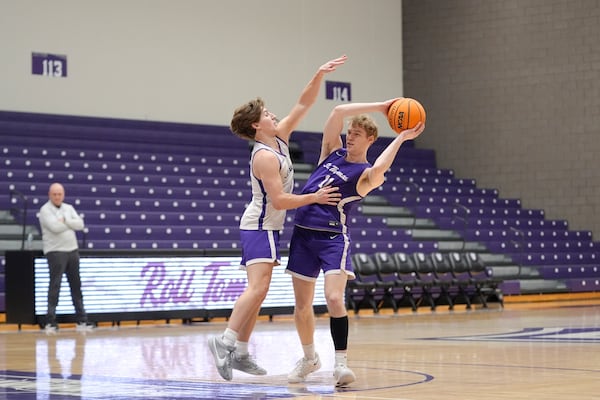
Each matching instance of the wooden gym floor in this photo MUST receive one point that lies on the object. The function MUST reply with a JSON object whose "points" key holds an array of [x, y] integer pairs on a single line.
{"points": [[537, 347]]}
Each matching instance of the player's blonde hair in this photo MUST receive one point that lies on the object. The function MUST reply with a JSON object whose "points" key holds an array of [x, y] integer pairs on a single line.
{"points": [[365, 122]]}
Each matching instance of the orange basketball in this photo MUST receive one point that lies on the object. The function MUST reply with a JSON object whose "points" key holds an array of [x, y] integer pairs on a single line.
{"points": [[405, 113]]}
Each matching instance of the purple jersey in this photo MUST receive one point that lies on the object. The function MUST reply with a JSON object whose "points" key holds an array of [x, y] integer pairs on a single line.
{"points": [[333, 171]]}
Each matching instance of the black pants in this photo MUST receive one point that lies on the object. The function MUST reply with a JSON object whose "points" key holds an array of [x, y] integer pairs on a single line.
{"points": [[60, 263]]}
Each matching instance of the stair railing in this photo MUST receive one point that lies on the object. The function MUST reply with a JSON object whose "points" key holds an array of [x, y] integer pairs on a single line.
{"points": [[15, 194], [464, 218]]}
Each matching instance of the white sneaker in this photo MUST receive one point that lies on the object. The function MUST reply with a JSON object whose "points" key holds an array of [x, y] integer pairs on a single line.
{"points": [[222, 354], [84, 327], [51, 329], [343, 375], [246, 363], [303, 368]]}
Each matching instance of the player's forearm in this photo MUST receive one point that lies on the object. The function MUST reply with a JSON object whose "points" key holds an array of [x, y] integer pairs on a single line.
{"points": [[311, 90], [346, 110], [387, 156], [289, 201]]}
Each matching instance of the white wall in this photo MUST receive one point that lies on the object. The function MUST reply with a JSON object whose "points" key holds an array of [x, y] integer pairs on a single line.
{"points": [[195, 61]]}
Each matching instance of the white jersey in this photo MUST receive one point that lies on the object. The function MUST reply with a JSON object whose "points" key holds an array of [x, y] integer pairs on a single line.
{"points": [[260, 213]]}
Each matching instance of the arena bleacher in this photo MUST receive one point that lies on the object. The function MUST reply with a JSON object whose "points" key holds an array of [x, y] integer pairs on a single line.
{"points": [[157, 186]]}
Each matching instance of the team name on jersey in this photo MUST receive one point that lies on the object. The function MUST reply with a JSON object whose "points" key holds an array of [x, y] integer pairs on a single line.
{"points": [[335, 170]]}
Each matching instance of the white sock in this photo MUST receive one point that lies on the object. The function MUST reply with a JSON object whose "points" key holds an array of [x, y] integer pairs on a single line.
{"points": [[341, 357], [241, 348], [309, 351], [229, 337]]}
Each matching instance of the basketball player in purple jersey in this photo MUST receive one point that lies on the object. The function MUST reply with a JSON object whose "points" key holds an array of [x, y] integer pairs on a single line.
{"points": [[321, 240], [272, 179]]}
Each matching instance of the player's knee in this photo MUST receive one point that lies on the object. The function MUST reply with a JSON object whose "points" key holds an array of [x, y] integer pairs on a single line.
{"points": [[303, 309], [335, 301], [259, 291]]}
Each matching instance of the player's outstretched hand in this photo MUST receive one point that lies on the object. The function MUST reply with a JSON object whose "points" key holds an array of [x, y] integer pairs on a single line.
{"points": [[331, 65], [413, 133]]}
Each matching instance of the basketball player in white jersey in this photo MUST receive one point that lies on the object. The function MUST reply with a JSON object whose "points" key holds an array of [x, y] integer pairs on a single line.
{"points": [[271, 173]]}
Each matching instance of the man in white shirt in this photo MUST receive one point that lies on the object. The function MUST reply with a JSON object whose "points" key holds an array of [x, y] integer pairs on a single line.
{"points": [[59, 221]]}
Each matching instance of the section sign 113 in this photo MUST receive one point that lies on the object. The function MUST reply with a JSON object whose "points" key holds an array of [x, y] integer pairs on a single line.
{"points": [[49, 64]]}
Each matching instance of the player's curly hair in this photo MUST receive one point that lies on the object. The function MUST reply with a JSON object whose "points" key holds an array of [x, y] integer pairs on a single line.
{"points": [[246, 115], [366, 122]]}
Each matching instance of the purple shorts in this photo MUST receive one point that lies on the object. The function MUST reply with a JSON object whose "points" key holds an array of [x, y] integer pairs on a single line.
{"points": [[259, 247], [312, 251]]}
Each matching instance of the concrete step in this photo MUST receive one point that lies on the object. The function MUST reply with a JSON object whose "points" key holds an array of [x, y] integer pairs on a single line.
{"points": [[14, 229], [6, 217], [16, 245], [301, 176], [303, 167], [373, 200], [542, 286], [435, 234], [459, 245], [496, 259], [410, 222], [390, 211], [505, 272]]}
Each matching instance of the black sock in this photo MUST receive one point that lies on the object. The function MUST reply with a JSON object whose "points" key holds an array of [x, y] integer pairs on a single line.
{"points": [[339, 332]]}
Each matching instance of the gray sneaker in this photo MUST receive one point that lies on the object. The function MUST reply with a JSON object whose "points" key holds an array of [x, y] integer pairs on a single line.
{"points": [[246, 363], [222, 354], [303, 368]]}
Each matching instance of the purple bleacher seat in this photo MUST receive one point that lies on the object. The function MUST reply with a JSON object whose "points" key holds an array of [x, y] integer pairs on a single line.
{"points": [[106, 166], [54, 146], [167, 218], [538, 222], [21, 176], [357, 220], [540, 246], [401, 184], [58, 155], [501, 246], [379, 234], [487, 234], [396, 170], [188, 178], [360, 220], [556, 234], [174, 233], [442, 200], [372, 246], [510, 287], [161, 244], [433, 212], [569, 271], [560, 245], [556, 258], [583, 285], [83, 204], [439, 181], [502, 211], [498, 234], [86, 177]]}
